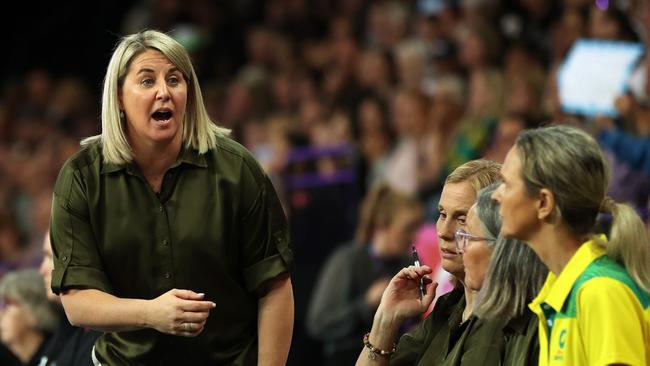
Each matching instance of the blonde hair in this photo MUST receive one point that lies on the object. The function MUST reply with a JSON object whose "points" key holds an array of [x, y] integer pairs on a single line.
{"points": [[478, 173], [578, 175], [379, 208], [199, 132]]}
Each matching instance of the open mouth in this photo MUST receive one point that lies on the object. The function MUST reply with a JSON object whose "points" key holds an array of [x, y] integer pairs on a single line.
{"points": [[162, 115]]}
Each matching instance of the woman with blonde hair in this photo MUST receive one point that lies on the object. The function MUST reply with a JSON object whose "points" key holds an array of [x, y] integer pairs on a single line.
{"points": [[594, 308], [167, 228]]}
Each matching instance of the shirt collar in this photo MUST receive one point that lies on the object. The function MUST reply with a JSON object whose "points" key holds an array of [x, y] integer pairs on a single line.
{"points": [[191, 156], [556, 289], [187, 155]]}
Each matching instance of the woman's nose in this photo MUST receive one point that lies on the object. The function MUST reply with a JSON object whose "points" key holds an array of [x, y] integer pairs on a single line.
{"points": [[162, 91], [446, 230]]}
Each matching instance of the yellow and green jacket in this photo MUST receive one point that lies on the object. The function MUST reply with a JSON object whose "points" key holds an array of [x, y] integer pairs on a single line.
{"points": [[592, 314]]}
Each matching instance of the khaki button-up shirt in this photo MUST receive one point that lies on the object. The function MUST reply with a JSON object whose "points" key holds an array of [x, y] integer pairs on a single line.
{"points": [[216, 227]]}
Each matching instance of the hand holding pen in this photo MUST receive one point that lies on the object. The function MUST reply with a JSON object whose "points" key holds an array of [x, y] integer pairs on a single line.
{"points": [[405, 295], [416, 263]]}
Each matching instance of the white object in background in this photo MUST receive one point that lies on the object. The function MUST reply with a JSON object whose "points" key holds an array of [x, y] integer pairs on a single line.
{"points": [[594, 73]]}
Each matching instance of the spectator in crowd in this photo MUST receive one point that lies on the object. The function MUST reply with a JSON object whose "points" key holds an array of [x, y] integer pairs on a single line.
{"points": [[376, 138], [68, 345], [550, 198], [10, 243], [27, 318], [352, 281]]}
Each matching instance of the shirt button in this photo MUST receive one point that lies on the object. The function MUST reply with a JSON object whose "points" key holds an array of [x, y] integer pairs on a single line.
{"points": [[64, 258], [167, 275], [161, 208], [165, 242]]}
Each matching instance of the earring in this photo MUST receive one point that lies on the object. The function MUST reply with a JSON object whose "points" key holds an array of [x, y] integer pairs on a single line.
{"points": [[121, 114]]}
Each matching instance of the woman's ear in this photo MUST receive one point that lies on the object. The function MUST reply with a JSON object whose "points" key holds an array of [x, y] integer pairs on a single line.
{"points": [[545, 204]]}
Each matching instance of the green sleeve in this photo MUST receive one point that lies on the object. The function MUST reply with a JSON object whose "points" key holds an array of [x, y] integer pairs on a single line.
{"points": [[77, 263], [264, 231]]}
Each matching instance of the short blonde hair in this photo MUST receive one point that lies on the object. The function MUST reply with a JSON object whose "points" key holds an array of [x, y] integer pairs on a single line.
{"points": [[478, 173], [199, 132]]}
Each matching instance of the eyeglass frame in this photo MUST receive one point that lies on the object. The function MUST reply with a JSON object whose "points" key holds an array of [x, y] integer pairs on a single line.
{"points": [[461, 234]]}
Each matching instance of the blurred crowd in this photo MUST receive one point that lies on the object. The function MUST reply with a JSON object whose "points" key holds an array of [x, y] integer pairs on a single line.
{"points": [[333, 97]]}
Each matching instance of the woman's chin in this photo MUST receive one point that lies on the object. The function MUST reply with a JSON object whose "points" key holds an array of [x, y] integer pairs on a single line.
{"points": [[454, 268]]}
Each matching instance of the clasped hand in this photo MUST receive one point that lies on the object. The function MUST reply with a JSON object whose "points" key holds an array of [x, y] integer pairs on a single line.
{"points": [[179, 312]]}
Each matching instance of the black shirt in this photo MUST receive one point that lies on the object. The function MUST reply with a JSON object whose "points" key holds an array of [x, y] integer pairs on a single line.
{"points": [[69, 346]]}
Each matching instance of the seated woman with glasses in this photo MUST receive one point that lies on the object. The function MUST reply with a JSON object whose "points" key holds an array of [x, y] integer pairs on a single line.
{"points": [[507, 275]]}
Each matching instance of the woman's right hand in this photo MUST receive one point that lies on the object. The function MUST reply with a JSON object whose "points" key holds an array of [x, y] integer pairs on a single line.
{"points": [[179, 312], [401, 299]]}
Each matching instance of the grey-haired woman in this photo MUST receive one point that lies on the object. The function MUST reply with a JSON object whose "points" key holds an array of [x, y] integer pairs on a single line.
{"points": [[507, 275], [26, 316]]}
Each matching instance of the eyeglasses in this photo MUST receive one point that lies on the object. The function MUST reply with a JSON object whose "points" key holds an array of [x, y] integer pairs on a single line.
{"points": [[463, 238]]}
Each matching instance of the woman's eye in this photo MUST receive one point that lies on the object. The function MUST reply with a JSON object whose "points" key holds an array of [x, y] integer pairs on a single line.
{"points": [[173, 80], [443, 216], [147, 82], [461, 220]]}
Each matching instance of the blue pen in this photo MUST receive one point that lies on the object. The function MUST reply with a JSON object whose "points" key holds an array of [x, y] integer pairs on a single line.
{"points": [[416, 262]]}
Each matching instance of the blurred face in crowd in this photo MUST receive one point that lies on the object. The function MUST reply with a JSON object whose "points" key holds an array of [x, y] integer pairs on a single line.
{"points": [[153, 96], [46, 268], [455, 201], [372, 69], [476, 253], [9, 245], [394, 240], [479, 93], [15, 322], [408, 115], [521, 97], [517, 209], [472, 53]]}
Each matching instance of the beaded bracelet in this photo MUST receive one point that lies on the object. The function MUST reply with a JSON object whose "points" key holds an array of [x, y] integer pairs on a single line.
{"points": [[374, 351]]}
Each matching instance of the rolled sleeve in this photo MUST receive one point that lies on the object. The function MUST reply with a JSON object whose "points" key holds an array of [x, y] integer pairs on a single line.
{"points": [[77, 263], [265, 233]]}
